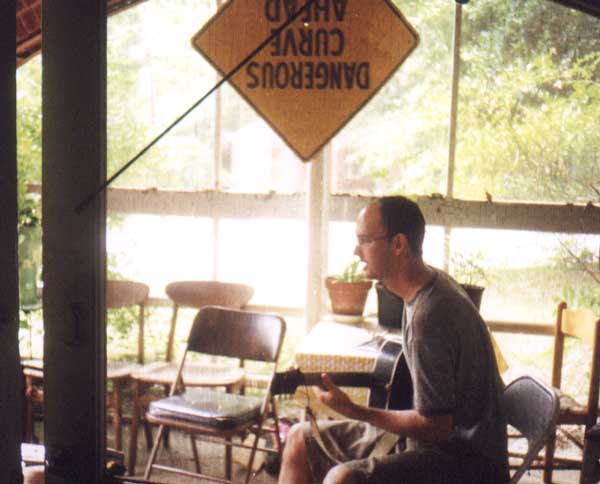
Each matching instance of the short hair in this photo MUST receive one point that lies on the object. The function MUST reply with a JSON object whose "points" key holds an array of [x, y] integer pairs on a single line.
{"points": [[399, 215]]}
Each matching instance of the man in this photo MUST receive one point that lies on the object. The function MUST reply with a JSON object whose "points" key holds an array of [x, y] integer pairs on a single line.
{"points": [[456, 431]]}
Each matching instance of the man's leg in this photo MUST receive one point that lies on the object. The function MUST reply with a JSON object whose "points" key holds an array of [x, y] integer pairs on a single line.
{"points": [[341, 474], [33, 475], [418, 466], [295, 467]]}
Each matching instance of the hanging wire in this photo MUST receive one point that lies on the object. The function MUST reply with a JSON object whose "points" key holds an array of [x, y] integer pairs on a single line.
{"points": [[84, 203]]}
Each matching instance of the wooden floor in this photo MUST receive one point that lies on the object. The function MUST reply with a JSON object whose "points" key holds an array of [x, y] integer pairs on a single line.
{"points": [[179, 454], [212, 460]]}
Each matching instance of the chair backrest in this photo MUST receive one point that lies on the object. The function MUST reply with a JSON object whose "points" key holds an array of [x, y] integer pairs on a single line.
{"points": [[532, 408], [120, 294], [239, 334], [197, 294], [584, 325]]}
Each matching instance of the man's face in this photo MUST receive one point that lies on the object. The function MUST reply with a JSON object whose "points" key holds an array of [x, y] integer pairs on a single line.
{"points": [[372, 242]]}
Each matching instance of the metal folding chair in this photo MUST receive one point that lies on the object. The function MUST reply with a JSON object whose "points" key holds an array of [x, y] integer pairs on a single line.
{"points": [[532, 408], [213, 414]]}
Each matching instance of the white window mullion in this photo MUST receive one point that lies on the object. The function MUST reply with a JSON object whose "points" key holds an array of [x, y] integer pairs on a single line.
{"points": [[453, 124]]}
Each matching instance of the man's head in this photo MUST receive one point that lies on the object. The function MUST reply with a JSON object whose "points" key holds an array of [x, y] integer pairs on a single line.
{"points": [[399, 215], [389, 232]]}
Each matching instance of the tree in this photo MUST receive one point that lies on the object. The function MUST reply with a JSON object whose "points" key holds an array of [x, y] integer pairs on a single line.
{"points": [[530, 93]]}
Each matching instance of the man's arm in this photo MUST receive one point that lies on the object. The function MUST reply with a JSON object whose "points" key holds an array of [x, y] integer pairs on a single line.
{"points": [[403, 422]]}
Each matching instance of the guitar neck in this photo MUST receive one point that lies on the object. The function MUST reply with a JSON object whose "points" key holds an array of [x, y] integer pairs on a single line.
{"points": [[343, 379]]}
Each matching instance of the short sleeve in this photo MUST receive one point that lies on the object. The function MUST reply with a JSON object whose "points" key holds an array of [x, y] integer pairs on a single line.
{"points": [[433, 363]]}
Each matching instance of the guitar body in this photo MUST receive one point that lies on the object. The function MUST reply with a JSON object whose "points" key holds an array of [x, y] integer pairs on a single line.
{"points": [[391, 366], [390, 383]]}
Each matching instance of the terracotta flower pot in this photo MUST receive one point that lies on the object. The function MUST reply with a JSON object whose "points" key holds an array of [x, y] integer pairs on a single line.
{"points": [[348, 297]]}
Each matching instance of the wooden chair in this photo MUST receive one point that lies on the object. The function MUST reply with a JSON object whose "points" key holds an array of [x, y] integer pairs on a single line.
{"points": [[583, 325], [192, 294], [214, 414], [120, 294]]}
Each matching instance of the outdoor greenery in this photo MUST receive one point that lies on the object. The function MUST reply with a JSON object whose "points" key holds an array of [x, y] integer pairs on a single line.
{"points": [[529, 100]]}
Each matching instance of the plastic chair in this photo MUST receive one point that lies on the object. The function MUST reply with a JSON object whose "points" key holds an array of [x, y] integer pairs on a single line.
{"points": [[192, 294], [532, 408], [584, 325], [215, 414]]}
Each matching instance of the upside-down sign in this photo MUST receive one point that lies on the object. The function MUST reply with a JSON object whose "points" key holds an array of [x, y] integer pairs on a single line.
{"points": [[319, 71]]}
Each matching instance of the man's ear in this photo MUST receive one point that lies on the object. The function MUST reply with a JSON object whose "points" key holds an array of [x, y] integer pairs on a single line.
{"points": [[400, 244]]}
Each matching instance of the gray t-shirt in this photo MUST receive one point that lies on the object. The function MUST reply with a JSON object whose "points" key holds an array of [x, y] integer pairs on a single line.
{"points": [[453, 369]]}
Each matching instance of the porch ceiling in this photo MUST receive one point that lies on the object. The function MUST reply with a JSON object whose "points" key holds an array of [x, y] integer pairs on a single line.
{"points": [[29, 25], [29, 21]]}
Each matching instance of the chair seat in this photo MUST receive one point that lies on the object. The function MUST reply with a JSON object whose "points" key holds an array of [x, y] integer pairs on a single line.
{"points": [[114, 369], [568, 405], [210, 408], [194, 374], [120, 369]]}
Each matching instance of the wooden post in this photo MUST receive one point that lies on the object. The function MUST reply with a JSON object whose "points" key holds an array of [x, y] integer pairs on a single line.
{"points": [[453, 124], [74, 165], [11, 388], [318, 220]]}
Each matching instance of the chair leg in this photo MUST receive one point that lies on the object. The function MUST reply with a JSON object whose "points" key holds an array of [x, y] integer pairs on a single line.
{"points": [[154, 452], [135, 421], [251, 458], [278, 445], [147, 432], [195, 453], [228, 459], [167, 440], [29, 420], [589, 466], [549, 458], [118, 415]]}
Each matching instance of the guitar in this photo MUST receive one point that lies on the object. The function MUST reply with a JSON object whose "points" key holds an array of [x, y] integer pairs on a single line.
{"points": [[390, 382]]}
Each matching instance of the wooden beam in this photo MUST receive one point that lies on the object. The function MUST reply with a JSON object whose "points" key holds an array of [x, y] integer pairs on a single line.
{"points": [[542, 217], [74, 164], [11, 387], [520, 327], [207, 203]]}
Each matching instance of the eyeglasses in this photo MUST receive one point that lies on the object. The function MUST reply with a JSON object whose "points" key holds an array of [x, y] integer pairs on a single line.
{"points": [[366, 240]]}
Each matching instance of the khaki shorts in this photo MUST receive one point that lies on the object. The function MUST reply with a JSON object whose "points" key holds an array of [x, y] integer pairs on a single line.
{"points": [[427, 465]]}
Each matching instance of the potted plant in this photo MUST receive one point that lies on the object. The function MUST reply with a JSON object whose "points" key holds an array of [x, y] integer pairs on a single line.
{"points": [[348, 290], [470, 274]]}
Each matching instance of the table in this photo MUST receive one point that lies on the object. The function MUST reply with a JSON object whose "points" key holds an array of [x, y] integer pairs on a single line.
{"points": [[332, 346]]}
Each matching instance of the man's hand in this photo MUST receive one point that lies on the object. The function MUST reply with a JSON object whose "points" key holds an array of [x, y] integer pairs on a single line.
{"points": [[402, 422], [331, 395]]}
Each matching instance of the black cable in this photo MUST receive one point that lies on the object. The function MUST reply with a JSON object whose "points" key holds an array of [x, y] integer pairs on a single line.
{"points": [[228, 76]]}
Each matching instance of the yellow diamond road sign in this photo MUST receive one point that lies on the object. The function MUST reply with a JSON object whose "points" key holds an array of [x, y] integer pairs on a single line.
{"points": [[310, 80]]}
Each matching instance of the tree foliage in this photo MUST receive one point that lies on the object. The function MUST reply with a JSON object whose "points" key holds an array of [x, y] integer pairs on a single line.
{"points": [[529, 102]]}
